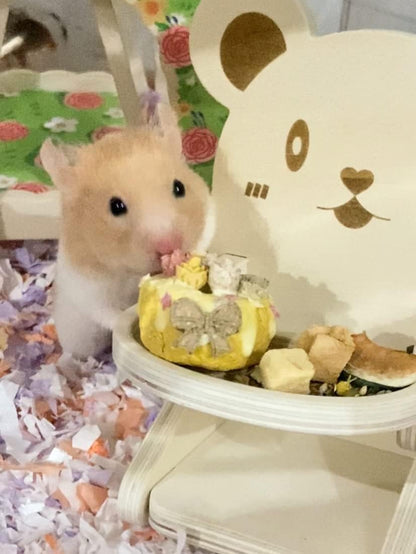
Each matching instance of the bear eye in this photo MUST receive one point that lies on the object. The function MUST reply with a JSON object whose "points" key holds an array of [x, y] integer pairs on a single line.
{"points": [[297, 145], [117, 206], [178, 189]]}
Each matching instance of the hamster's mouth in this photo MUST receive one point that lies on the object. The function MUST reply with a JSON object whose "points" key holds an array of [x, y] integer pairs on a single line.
{"points": [[353, 215], [156, 267]]}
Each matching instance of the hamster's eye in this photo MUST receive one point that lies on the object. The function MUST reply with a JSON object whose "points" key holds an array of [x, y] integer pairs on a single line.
{"points": [[117, 206], [297, 145], [178, 189]]}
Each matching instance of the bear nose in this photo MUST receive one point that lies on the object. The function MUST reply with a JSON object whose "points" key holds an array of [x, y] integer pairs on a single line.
{"points": [[357, 181]]}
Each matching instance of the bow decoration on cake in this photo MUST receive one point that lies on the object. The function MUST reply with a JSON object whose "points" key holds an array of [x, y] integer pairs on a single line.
{"points": [[219, 324]]}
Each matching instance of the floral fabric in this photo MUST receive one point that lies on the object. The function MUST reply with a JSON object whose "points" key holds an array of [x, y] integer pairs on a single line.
{"points": [[28, 118], [201, 117]]}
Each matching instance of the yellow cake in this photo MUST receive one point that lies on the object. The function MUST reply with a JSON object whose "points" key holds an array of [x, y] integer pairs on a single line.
{"points": [[219, 329]]}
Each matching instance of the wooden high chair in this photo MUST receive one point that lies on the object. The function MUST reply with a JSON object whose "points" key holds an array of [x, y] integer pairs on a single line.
{"points": [[239, 469]]}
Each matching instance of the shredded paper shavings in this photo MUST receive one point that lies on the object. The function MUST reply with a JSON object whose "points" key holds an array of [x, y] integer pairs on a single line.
{"points": [[68, 430]]}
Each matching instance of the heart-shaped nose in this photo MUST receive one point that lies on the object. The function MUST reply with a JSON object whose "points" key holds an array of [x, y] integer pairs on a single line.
{"points": [[357, 181]]}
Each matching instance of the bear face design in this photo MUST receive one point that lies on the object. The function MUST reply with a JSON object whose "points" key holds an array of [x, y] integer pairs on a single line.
{"points": [[315, 173]]}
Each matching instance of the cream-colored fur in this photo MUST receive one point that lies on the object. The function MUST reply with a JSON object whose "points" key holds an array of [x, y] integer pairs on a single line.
{"points": [[102, 257]]}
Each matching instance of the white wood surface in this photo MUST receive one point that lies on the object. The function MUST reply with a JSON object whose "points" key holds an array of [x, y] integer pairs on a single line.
{"points": [[401, 533], [257, 491], [174, 435], [301, 413]]}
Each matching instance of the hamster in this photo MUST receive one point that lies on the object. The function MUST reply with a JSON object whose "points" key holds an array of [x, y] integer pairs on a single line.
{"points": [[126, 200]]}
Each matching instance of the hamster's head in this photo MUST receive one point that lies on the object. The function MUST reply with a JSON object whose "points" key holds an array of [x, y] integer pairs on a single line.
{"points": [[129, 198]]}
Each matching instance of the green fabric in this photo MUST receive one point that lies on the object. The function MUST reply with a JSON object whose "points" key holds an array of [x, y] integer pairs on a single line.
{"points": [[200, 116], [203, 110], [214, 114], [34, 108]]}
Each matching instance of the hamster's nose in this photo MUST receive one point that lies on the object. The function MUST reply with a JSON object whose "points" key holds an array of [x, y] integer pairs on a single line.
{"points": [[168, 244], [357, 181]]}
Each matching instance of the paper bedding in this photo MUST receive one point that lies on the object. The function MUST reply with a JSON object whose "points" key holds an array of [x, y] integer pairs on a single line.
{"points": [[67, 429]]}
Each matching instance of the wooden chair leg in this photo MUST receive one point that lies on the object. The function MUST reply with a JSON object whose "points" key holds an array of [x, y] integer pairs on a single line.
{"points": [[138, 44], [142, 49], [4, 15], [401, 537], [141, 46], [110, 32], [173, 436], [406, 438]]}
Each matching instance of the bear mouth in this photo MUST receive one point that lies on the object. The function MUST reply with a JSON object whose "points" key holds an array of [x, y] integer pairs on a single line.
{"points": [[353, 215]]}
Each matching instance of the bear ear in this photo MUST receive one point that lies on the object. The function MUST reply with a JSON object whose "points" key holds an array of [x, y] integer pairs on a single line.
{"points": [[233, 41]]}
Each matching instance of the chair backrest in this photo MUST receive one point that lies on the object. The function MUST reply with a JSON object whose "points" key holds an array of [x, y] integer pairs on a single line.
{"points": [[315, 170]]}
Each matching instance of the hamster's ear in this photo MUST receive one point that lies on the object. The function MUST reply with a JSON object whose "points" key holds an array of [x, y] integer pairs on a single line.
{"points": [[58, 160], [232, 42], [165, 121]]}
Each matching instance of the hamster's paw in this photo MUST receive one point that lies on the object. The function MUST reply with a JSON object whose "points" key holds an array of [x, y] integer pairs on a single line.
{"points": [[83, 347], [108, 318], [79, 335]]}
